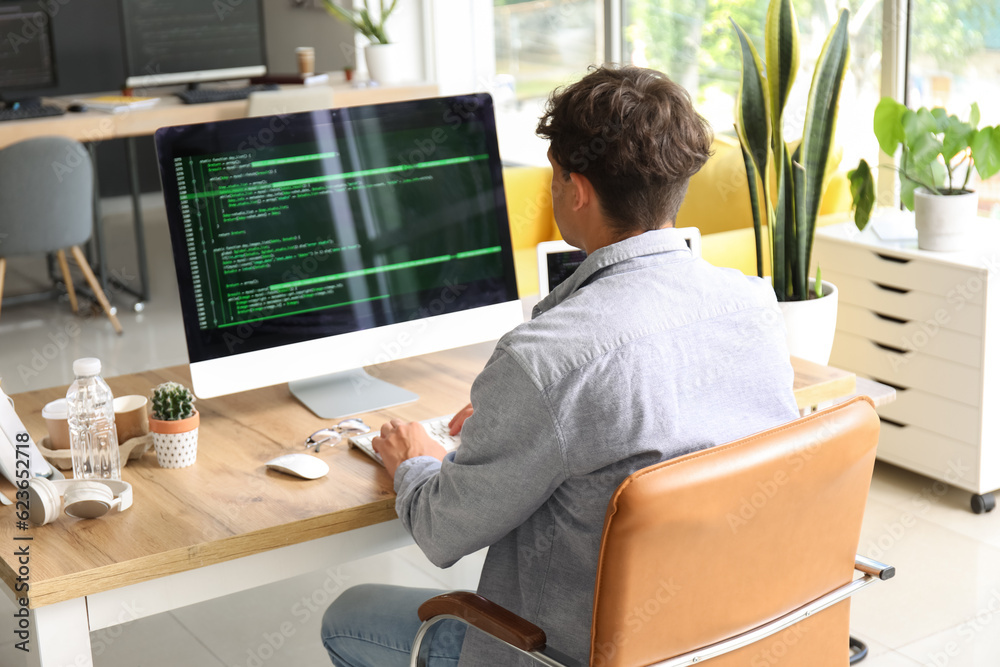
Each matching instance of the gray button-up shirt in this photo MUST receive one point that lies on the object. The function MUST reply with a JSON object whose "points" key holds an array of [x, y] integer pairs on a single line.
{"points": [[645, 353]]}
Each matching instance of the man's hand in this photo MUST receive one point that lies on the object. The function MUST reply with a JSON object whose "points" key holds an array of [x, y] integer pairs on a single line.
{"points": [[399, 441], [456, 423]]}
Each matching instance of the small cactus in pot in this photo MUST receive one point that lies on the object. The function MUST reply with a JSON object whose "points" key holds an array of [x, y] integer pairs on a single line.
{"points": [[172, 401], [174, 424]]}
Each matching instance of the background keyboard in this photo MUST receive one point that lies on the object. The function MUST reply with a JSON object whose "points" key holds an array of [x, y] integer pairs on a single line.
{"points": [[206, 95], [22, 113], [437, 428]]}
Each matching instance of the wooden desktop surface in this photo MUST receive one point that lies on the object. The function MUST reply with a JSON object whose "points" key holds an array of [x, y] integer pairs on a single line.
{"points": [[91, 126], [227, 504], [815, 384]]}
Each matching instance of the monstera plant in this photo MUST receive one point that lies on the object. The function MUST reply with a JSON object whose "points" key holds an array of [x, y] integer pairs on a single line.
{"points": [[785, 184]]}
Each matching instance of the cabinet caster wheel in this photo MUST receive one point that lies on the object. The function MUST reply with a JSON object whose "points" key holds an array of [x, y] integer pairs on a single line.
{"points": [[139, 306], [983, 503]]}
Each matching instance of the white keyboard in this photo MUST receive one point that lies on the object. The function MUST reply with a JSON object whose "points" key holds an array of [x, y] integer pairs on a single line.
{"points": [[436, 427]]}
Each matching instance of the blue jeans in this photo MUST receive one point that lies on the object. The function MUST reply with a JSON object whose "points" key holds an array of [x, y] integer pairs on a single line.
{"points": [[374, 625]]}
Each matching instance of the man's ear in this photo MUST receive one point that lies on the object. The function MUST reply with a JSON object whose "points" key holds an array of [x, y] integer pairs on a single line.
{"points": [[582, 191]]}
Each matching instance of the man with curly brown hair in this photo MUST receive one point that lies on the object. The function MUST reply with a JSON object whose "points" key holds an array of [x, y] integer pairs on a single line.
{"points": [[643, 354]]}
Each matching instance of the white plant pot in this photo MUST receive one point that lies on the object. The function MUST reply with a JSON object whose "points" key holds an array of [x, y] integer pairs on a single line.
{"points": [[176, 442], [176, 450], [811, 324], [384, 65], [944, 221]]}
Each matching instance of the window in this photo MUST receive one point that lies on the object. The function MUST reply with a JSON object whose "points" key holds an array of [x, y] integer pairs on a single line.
{"points": [[540, 45], [955, 61], [694, 43]]}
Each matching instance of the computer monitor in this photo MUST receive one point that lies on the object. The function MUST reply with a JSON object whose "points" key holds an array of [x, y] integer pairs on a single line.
{"points": [[26, 62], [84, 41], [190, 41], [315, 243]]}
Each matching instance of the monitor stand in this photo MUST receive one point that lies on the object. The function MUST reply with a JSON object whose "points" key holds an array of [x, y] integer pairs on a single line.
{"points": [[348, 393]]}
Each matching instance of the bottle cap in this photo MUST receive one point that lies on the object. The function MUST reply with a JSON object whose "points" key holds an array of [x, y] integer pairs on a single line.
{"points": [[86, 367]]}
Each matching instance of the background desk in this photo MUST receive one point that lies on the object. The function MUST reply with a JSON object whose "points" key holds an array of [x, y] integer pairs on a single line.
{"points": [[92, 127], [225, 524]]}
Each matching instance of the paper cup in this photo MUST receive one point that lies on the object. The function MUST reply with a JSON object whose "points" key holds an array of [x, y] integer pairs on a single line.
{"points": [[307, 60], [56, 416], [131, 420]]}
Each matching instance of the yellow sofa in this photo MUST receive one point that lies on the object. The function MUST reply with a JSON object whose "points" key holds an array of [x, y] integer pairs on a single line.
{"points": [[717, 202]]}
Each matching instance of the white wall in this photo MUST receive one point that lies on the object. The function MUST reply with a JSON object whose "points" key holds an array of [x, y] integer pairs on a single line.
{"points": [[289, 24], [460, 36], [449, 42], [406, 28]]}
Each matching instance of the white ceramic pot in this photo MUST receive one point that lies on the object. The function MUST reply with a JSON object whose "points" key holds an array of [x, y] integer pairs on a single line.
{"points": [[175, 442], [810, 324], [384, 66], [944, 221]]}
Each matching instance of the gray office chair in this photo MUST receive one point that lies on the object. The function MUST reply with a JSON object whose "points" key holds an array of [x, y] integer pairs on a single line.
{"points": [[46, 205]]}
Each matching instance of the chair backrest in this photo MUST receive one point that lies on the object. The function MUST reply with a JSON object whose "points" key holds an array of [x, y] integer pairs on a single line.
{"points": [[706, 546], [289, 100], [46, 196]]}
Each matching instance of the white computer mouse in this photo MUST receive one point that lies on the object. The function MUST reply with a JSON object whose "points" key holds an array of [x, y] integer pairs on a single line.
{"points": [[300, 465]]}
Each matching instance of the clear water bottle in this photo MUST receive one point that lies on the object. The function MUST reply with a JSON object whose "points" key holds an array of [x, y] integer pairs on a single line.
{"points": [[92, 439]]}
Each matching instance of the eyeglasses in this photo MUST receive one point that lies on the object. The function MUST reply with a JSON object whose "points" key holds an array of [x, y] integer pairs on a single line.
{"points": [[332, 435]]}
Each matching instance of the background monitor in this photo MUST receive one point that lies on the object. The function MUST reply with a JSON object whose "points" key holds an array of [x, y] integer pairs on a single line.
{"points": [[316, 243], [26, 60], [188, 41], [84, 40]]}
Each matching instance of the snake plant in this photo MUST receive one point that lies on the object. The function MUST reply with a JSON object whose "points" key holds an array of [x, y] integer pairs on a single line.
{"points": [[788, 207]]}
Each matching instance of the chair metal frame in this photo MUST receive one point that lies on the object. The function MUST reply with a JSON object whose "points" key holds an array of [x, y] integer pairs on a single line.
{"points": [[871, 571]]}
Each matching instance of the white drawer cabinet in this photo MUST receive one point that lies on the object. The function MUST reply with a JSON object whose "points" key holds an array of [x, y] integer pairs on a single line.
{"points": [[927, 324]]}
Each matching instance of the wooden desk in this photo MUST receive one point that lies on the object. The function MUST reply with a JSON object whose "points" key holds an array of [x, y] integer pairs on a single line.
{"points": [[92, 126], [815, 384], [226, 524]]}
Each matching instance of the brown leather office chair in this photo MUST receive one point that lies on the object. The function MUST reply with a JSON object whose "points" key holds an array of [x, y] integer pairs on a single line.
{"points": [[741, 554]]}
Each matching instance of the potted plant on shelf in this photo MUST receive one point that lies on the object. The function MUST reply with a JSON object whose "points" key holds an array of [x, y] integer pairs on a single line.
{"points": [[786, 184], [381, 55], [938, 156], [174, 424]]}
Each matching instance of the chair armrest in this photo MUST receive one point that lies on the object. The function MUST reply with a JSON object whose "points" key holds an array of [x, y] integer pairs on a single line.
{"points": [[874, 568], [487, 616]]}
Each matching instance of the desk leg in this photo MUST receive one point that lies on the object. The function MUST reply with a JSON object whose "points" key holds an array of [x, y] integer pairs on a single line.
{"points": [[60, 636], [101, 251], [140, 233]]}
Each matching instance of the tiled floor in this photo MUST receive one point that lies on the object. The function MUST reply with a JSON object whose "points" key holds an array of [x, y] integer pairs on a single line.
{"points": [[943, 607]]}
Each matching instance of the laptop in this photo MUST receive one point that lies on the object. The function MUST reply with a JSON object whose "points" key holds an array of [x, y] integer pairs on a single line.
{"points": [[557, 260]]}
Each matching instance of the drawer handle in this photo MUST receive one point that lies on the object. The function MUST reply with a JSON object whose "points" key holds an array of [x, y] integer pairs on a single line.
{"points": [[892, 422], [890, 348], [898, 260], [890, 288], [897, 387], [890, 318]]}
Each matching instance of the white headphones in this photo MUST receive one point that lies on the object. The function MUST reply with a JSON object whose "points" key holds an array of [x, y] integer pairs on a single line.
{"points": [[84, 498]]}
